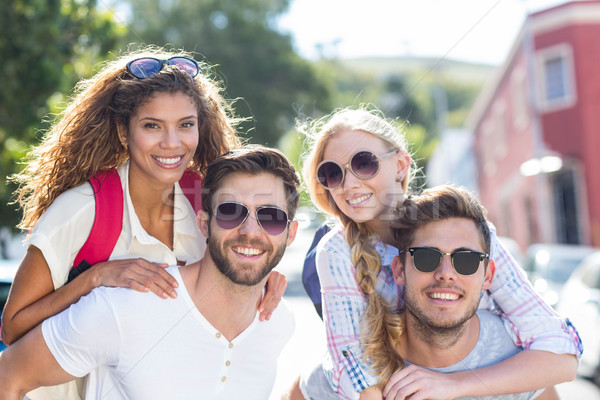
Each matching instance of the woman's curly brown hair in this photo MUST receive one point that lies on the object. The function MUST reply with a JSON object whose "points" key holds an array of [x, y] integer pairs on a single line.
{"points": [[84, 139]]}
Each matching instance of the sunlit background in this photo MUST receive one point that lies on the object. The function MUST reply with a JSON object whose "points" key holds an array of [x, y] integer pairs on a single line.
{"points": [[498, 96]]}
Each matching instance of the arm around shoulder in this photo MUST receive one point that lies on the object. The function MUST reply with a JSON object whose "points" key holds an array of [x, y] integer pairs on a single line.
{"points": [[57, 235], [535, 325], [543, 369]]}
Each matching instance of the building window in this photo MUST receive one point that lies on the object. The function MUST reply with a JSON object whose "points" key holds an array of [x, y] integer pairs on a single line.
{"points": [[556, 85], [557, 80]]}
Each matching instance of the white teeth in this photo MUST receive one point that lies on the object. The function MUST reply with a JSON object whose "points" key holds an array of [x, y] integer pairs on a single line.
{"points": [[444, 296], [247, 251], [358, 199], [168, 161]]}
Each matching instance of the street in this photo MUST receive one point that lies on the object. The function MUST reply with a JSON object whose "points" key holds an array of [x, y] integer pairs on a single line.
{"points": [[308, 342]]}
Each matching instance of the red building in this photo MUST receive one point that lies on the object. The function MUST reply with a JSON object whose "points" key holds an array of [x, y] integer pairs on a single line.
{"points": [[536, 129]]}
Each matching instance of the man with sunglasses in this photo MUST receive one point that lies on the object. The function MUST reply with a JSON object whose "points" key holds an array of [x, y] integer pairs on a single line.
{"points": [[208, 341], [443, 267]]}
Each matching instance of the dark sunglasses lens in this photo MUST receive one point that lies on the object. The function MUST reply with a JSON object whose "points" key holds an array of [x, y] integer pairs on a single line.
{"points": [[426, 260], [330, 175], [272, 220], [231, 215], [365, 164], [466, 262], [144, 67], [185, 64]]}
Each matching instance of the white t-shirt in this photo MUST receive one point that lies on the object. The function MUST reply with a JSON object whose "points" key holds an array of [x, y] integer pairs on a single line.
{"points": [[149, 348], [65, 226]]}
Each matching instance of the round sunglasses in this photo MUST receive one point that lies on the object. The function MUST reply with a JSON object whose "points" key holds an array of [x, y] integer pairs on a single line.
{"points": [[148, 66], [229, 215], [464, 262], [363, 165]]}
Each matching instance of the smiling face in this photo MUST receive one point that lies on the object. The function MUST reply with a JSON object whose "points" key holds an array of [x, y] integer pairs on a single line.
{"points": [[442, 299], [162, 138], [365, 200], [246, 254]]}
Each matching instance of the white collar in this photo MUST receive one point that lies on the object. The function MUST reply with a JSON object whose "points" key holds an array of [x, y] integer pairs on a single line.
{"points": [[184, 222]]}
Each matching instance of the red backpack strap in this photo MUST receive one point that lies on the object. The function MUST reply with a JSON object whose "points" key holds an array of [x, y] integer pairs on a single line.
{"points": [[108, 222], [191, 185]]}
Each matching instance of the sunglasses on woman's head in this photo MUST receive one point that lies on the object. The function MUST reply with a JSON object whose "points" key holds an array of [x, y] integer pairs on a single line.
{"points": [[148, 66], [230, 215], [363, 165], [464, 262]]}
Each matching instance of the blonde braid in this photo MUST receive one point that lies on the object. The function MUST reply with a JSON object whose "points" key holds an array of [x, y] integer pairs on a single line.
{"points": [[380, 334]]}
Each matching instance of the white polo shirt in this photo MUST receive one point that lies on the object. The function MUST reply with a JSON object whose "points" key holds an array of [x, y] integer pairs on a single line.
{"points": [[143, 347]]}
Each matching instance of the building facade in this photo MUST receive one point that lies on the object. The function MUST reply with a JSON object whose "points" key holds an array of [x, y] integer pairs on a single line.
{"points": [[536, 127]]}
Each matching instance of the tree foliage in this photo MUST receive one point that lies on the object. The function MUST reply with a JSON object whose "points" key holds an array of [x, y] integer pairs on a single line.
{"points": [[256, 61], [45, 47]]}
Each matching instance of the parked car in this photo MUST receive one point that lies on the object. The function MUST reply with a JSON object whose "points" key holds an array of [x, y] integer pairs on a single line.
{"points": [[550, 265], [8, 269], [580, 302]]}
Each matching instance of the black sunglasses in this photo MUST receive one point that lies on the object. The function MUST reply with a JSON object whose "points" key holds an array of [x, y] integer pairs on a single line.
{"points": [[147, 66], [464, 262], [363, 164], [230, 215]]}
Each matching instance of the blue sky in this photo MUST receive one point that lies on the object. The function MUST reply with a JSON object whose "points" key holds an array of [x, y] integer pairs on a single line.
{"points": [[471, 30]]}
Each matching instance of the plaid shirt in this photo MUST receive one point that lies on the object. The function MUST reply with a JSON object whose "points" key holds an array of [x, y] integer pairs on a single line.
{"points": [[531, 322]]}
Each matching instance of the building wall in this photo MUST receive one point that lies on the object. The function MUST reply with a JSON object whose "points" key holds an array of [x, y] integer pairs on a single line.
{"points": [[511, 127], [503, 142], [572, 130]]}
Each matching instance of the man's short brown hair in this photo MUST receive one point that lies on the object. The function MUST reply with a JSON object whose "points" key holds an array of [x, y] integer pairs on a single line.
{"points": [[253, 160], [438, 203]]}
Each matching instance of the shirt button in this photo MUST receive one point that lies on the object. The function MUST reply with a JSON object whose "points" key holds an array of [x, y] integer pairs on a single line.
{"points": [[231, 345], [345, 353], [228, 363], [218, 335], [223, 379]]}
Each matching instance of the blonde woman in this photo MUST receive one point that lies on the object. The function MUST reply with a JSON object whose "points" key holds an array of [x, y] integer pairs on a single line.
{"points": [[358, 171]]}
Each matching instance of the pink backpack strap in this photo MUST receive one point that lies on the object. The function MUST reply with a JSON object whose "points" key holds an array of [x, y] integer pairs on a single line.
{"points": [[191, 185], [108, 222]]}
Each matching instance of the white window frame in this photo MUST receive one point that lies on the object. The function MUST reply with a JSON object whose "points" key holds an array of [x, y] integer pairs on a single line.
{"points": [[563, 51]]}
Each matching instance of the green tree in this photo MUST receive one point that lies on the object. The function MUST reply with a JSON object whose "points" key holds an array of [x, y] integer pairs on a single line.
{"points": [[45, 47], [407, 102], [256, 61]]}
